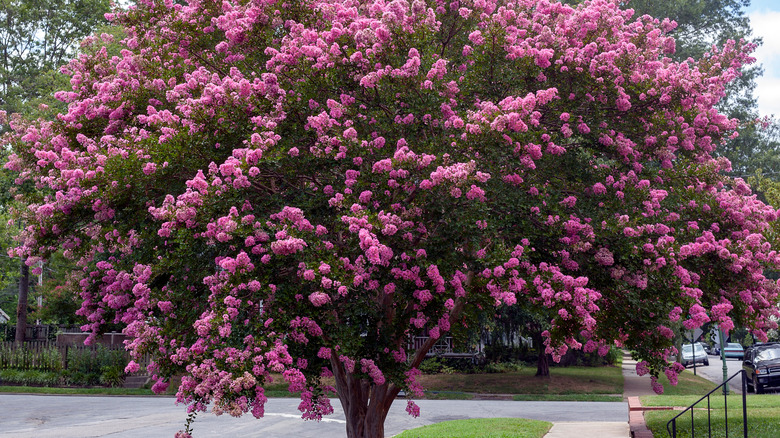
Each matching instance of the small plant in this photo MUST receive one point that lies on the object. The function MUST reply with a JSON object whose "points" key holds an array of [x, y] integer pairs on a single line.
{"points": [[100, 366], [29, 377], [435, 365], [503, 367], [112, 376]]}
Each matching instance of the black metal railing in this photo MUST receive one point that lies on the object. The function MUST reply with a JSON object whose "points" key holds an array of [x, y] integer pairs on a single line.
{"points": [[673, 422]]}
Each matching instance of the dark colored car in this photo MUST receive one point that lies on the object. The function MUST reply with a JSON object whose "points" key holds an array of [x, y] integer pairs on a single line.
{"points": [[762, 365]]}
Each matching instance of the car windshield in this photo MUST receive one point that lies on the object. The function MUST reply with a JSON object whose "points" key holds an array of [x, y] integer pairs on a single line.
{"points": [[734, 346], [686, 348], [768, 354]]}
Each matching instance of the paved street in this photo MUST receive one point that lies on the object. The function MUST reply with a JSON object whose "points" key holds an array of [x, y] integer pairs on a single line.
{"points": [[714, 372], [46, 416]]}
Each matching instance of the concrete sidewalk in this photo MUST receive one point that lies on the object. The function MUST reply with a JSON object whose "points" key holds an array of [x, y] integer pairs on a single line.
{"points": [[633, 387], [589, 429]]}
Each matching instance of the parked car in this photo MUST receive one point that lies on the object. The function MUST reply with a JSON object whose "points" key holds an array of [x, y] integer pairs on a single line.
{"points": [[694, 354], [762, 365], [733, 350]]}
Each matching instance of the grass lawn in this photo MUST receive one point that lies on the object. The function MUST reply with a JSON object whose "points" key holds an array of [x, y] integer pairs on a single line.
{"points": [[75, 391], [481, 428], [763, 411], [568, 397], [562, 381], [687, 384], [568, 384]]}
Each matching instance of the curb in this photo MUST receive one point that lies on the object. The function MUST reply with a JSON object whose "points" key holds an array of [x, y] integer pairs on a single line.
{"points": [[636, 419]]}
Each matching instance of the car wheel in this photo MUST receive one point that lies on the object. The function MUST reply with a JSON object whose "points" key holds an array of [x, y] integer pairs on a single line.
{"points": [[749, 385], [706, 362], [759, 387]]}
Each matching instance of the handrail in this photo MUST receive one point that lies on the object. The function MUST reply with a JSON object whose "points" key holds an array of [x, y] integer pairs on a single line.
{"points": [[673, 421]]}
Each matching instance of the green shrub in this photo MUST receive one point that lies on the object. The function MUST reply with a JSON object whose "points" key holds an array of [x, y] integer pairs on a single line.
{"points": [[498, 352], [503, 367], [29, 377], [112, 376], [435, 365], [99, 366]]}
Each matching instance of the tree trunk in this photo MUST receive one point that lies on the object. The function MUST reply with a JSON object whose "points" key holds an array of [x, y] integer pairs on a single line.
{"points": [[542, 360], [365, 404], [542, 364], [21, 307]]}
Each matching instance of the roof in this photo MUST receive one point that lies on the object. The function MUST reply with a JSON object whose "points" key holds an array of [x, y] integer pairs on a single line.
{"points": [[765, 345], [4, 316]]}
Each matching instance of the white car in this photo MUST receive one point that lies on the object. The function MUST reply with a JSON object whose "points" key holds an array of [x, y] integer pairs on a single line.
{"points": [[694, 354]]}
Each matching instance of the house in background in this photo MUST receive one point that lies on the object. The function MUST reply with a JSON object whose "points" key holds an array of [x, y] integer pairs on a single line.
{"points": [[4, 318]]}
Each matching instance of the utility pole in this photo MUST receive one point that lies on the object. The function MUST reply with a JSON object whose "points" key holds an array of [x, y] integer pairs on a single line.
{"points": [[21, 307], [693, 351], [722, 340], [39, 299]]}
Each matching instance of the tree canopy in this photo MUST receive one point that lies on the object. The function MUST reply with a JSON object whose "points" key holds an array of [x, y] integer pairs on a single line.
{"points": [[256, 187], [700, 25]]}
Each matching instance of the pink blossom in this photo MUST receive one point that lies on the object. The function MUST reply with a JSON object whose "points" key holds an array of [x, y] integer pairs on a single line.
{"points": [[319, 299]]}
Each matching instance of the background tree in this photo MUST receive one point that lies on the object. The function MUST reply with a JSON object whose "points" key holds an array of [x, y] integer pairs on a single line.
{"points": [[305, 187], [36, 38], [702, 24]]}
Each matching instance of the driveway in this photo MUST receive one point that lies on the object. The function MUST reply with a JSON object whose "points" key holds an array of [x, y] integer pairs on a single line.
{"points": [[50, 416]]}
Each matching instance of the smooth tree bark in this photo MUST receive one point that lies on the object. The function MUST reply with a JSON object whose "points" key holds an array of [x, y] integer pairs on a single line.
{"points": [[542, 359], [365, 404], [21, 307]]}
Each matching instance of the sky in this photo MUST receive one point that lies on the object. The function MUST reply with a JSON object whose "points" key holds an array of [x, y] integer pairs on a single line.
{"points": [[765, 21]]}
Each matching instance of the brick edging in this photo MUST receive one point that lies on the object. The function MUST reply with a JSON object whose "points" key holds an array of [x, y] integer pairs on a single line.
{"points": [[636, 419]]}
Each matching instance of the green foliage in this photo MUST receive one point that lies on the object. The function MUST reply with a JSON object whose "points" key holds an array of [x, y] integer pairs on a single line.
{"points": [[593, 359], [37, 37], [9, 268], [29, 377], [503, 367], [60, 303], [700, 24], [112, 375], [763, 412], [435, 365], [101, 366]]}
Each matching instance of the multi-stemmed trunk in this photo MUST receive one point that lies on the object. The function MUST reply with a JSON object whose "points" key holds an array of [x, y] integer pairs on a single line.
{"points": [[365, 404]]}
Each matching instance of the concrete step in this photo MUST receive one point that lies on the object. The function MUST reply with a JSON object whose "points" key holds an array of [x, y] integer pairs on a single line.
{"points": [[136, 381]]}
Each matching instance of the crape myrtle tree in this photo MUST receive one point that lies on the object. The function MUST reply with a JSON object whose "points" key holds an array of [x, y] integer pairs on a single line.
{"points": [[293, 189]]}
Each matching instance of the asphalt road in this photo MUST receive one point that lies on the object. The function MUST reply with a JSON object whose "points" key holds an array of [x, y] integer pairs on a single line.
{"points": [[714, 372], [48, 416]]}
